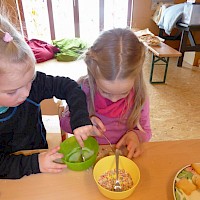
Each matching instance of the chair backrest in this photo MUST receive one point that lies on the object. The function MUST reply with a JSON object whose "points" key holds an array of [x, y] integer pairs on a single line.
{"points": [[49, 107]]}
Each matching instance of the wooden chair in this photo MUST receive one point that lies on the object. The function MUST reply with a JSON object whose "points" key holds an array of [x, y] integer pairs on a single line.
{"points": [[51, 107]]}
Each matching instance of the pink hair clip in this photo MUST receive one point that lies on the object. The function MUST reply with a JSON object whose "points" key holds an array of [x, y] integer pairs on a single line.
{"points": [[7, 37]]}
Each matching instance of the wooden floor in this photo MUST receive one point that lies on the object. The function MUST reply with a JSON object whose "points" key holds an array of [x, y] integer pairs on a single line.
{"points": [[174, 106]]}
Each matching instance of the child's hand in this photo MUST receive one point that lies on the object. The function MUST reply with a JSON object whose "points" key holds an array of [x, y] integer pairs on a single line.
{"points": [[46, 161], [131, 141], [83, 132]]}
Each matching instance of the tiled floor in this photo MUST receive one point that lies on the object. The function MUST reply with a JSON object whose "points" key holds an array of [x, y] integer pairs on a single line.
{"points": [[174, 106]]}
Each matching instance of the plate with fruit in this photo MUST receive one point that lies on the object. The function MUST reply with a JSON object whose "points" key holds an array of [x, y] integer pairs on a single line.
{"points": [[186, 185]]}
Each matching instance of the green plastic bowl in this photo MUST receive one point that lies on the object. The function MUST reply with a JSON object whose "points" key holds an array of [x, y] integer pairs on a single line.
{"points": [[70, 145]]}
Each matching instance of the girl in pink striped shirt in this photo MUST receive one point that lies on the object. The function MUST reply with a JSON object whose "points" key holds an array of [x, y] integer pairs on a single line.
{"points": [[116, 94]]}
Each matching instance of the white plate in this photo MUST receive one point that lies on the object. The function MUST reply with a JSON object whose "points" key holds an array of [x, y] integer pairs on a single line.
{"points": [[179, 194]]}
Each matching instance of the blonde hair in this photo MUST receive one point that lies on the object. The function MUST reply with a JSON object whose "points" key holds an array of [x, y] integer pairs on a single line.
{"points": [[117, 54], [14, 51]]}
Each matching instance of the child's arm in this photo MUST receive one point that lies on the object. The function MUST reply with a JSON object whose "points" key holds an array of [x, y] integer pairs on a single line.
{"points": [[65, 120], [98, 126], [67, 89], [145, 124], [17, 166], [132, 139]]}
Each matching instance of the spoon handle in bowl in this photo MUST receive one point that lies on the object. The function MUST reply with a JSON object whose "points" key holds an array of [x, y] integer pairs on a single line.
{"points": [[117, 162]]}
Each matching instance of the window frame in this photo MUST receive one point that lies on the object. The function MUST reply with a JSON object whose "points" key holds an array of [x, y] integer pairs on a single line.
{"points": [[76, 17]]}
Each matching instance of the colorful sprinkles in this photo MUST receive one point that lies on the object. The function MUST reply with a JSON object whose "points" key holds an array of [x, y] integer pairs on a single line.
{"points": [[107, 180]]}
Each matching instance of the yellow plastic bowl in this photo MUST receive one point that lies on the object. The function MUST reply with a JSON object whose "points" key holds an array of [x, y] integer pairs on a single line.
{"points": [[108, 163]]}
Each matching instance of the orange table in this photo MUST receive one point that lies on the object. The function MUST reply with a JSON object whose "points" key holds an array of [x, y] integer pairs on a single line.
{"points": [[158, 165]]}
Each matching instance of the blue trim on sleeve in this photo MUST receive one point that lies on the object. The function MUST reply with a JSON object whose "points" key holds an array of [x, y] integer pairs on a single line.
{"points": [[36, 104], [8, 117], [39, 121]]}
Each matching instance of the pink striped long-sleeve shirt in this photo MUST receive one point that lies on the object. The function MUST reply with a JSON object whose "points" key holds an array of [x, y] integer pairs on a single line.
{"points": [[116, 127]]}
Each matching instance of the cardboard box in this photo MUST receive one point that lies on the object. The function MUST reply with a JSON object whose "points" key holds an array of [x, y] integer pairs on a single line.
{"points": [[193, 58], [191, 14]]}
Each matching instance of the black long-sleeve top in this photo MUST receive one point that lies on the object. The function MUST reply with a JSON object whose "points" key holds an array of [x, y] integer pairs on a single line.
{"points": [[21, 127]]}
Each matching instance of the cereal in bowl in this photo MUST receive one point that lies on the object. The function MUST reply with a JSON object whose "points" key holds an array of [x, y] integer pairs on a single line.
{"points": [[107, 180]]}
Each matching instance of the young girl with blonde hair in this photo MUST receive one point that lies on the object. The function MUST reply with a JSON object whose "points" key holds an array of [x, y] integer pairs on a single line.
{"points": [[21, 91], [116, 93]]}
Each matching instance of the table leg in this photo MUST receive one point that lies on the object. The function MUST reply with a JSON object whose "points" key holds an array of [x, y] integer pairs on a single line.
{"points": [[152, 68], [165, 61], [166, 68], [182, 47]]}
